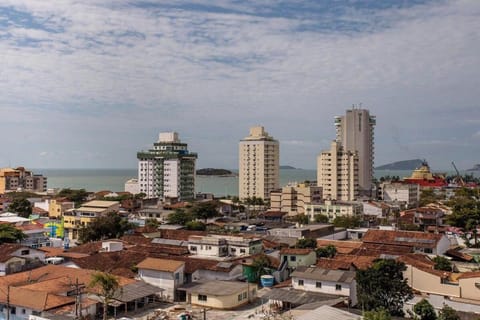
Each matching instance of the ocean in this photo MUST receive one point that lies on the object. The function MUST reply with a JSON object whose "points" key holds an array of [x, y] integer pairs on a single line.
{"points": [[114, 179]]}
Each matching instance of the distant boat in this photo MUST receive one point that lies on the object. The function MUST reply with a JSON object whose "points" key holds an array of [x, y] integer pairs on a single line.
{"points": [[475, 168], [425, 178]]}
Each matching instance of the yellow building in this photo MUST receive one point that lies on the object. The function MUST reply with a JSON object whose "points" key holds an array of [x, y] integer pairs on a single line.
{"points": [[221, 294], [293, 199], [75, 219], [57, 207]]}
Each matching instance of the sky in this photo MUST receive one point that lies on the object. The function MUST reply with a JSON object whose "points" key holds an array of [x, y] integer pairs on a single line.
{"points": [[87, 84]]}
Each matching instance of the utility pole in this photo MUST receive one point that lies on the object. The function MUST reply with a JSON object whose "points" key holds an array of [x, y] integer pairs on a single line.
{"points": [[8, 302]]}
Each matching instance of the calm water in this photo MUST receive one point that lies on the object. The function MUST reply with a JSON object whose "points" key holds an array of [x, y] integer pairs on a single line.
{"points": [[114, 179]]}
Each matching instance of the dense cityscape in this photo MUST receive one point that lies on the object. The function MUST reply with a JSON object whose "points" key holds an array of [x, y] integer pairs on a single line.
{"points": [[346, 245]]}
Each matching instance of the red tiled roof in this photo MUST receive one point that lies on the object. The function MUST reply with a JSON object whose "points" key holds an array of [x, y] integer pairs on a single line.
{"points": [[6, 250], [469, 275], [343, 247], [295, 251], [405, 238]]}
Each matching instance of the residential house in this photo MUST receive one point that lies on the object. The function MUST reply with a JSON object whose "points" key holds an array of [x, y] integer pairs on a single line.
{"points": [[16, 258], [298, 257], [405, 194], [336, 282], [418, 242], [221, 246], [163, 273], [220, 294], [423, 217]]}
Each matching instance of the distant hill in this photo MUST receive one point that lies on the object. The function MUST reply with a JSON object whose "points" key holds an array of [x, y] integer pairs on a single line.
{"points": [[287, 167], [402, 165], [475, 168], [214, 172]]}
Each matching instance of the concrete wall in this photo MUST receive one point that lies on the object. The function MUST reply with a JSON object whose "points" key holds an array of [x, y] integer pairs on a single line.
{"points": [[164, 280], [225, 302], [429, 283]]}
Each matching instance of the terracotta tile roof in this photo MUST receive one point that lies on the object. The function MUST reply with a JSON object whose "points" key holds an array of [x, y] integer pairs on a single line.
{"points": [[160, 264], [60, 252], [39, 211], [31, 227], [296, 251], [113, 262], [333, 264], [181, 234], [194, 264], [359, 262], [376, 249], [423, 263], [7, 249], [35, 300], [406, 238], [88, 248], [343, 247], [469, 275], [455, 253]]}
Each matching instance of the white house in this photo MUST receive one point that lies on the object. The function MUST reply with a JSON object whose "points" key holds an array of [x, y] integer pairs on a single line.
{"points": [[16, 258], [163, 273], [335, 282], [221, 246]]}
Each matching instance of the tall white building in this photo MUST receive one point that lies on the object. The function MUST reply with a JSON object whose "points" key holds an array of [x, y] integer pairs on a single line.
{"points": [[167, 170], [258, 164], [355, 134], [337, 173]]}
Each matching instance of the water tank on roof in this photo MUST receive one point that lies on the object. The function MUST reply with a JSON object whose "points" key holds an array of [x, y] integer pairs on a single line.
{"points": [[266, 280]]}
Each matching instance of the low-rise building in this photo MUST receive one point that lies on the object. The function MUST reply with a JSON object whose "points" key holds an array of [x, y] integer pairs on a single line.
{"points": [[337, 282], [75, 219], [163, 273], [21, 179], [407, 194], [334, 209], [16, 258], [298, 257], [220, 294], [417, 242], [294, 198], [308, 231], [221, 246]]}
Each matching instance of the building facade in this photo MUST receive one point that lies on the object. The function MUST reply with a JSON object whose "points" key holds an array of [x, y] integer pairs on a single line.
{"points": [[407, 194], [355, 133], [294, 199], [167, 170], [337, 173], [21, 179], [259, 169]]}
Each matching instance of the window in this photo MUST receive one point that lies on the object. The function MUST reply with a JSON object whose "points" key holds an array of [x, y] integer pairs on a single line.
{"points": [[300, 282], [202, 297], [193, 248], [293, 258], [318, 284], [240, 297], [338, 287], [244, 295], [25, 252], [242, 250]]}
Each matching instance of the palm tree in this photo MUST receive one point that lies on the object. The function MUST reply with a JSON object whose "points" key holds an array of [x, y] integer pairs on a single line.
{"points": [[10, 234], [107, 285]]}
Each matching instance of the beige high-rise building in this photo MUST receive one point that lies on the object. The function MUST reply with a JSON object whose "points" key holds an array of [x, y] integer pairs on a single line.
{"points": [[258, 164], [337, 173], [355, 134]]}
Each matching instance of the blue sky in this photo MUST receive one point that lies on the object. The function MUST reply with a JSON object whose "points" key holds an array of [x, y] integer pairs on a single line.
{"points": [[87, 84]]}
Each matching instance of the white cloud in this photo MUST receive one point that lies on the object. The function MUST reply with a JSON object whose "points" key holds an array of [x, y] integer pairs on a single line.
{"points": [[122, 73]]}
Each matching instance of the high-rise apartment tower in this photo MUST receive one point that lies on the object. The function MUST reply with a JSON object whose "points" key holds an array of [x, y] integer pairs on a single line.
{"points": [[258, 164], [167, 170], [337, 173], [355, 134]]}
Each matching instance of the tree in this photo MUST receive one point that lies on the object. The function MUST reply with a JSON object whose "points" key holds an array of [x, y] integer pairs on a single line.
{"points": [[10, 234], [442, 263], [21, 206], [448, 313], [327, 252], [347, 222], [180, 216], [195, 225], [425, 310], [75, 195], [306, 243], [260, 266], [107, 285], [105, 227], [321, 218], [383, 286], [301, 219], [152, 222], [380, 314], [204, 210]]}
